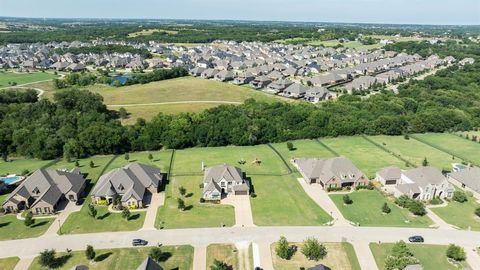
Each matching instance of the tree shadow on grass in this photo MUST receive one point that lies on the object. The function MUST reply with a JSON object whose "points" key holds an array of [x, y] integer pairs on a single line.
{"points": [[134, 217], [38, 224], [5, 224], [104, 216], [60, 261], [165, 256], [189, 195], [188, 208], [102, 257]]}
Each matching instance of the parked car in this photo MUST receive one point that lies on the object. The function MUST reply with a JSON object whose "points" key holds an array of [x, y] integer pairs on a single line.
{"points": [[416, 239], [139, 242]]}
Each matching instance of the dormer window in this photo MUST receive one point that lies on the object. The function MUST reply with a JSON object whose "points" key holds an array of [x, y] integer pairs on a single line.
{"points": [[36, 191], [120, 187]]}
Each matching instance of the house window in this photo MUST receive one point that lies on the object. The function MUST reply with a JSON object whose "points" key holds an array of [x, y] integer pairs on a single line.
{"points": [[46, 209], [36, 191], [333, 185], [222, 184], [38, 210]]}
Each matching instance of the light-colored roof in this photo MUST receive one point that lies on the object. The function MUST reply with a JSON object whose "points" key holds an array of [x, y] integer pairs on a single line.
{"points": [[424, 176], [469, 176], [339, 167], [390, 173], [217, 173]]}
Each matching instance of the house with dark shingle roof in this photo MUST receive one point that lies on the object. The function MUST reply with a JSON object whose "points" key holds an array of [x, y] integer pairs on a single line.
{"points": [[134, 183], [44, 190], [336, 172], [149, 264], [222, 180]]}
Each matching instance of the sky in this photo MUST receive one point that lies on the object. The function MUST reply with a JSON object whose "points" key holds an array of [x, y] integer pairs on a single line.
{"points": [[357, 11]]}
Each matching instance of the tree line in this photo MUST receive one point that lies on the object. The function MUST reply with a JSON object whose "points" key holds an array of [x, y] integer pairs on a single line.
{"points": [[101, 49]]}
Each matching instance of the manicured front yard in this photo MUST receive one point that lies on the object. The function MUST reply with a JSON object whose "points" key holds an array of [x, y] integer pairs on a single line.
{"points": [[282, 201], [415, 151], [366, 210], [8, 263], [13, 228], [190, 160], [432, 257], [180, 257], [366, 156], [460, 214], [339, 256], [223, 252], [303, 148], [197, 215]]}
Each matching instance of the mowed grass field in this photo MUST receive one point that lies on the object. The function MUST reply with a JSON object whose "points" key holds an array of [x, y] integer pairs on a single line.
{"points": [[178, 257], [461, 147], [281, 200], [415, 151], [461, 215], [432, 257], [368, 157], [197, 215], [161, 159], [23, 78], [9, 263], [223, 252], [366, 210], [19, 165], [339, 256]]}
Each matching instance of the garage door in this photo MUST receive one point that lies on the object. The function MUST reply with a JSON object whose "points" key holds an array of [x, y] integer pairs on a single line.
{"points": [[390, 182], [241, 193]]}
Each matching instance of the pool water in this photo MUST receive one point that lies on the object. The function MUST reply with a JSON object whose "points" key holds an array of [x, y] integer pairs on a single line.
{"points": [[9, 179]]}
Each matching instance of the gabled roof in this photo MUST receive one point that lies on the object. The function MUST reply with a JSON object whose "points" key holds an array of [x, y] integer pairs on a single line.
{"points": [[469, 176], [149, 264], [424, 176], [390, 173], [339, 167], [227, 172]]}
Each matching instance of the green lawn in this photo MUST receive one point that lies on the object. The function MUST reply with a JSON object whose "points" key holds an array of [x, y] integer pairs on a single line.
{"points": [[23, 78], [8, 263], [303, 148], [18, 165], [82, 222], [282, 201], [424, 253], [415, 151], [199, 215], [366, 210], [366, 156], [190, 160], [13, 228], [460, 214], [454, 144], [161, 159], [180, 257], [339, 256], [223, 252]]}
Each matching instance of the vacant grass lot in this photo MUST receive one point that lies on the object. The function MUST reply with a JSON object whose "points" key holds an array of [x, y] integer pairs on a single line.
{"points": [[19, 165], [281, 201], [456, 145], [12, 228], [23, 78], [366, 210], [303, 148], [197, 215], [460, 214], [180, 257], [415, 151], [432, 257], [222, 252], [190, 160], [339, 256], [366, 156], [8, 263]]}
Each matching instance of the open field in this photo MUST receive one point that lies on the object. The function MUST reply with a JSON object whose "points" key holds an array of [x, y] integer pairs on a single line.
{"points": [[19, 165], [366, 210], [349, 44], [415, 151], [12, 228], [23, 78], [281, 201], [178, 257], [339, 256], [460, 214], [222, 252], [8, 263], [189, 161], [424, 253], [461, 147], [303, 148], [149, 32], [366, 156], [400, 38], [197, 215]]}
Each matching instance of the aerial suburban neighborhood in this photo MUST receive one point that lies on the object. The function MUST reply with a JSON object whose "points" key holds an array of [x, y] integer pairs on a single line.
{"points": [[266, 135]]}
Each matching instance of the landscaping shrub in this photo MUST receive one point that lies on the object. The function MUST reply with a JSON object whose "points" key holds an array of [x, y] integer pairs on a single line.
{"points": [[347, 199], [329, 189], [436, 201], [417, 208], [386, 209], [102, 202], [402, 201], [477, 212], [459, 196], [202, 200], [456, 253], [400, 257]]}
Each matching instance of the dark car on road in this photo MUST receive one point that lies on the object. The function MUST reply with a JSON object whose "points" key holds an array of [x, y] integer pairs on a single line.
{"points": [[139, 242], [416, 239]]}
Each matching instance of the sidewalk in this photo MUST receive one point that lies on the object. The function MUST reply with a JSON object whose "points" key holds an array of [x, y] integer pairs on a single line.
{"points": [[200, 258], [439, 223], [24, 263]]}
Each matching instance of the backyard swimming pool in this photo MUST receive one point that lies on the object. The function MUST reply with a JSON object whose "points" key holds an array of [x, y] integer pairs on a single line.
{"points": [[9, 179]]}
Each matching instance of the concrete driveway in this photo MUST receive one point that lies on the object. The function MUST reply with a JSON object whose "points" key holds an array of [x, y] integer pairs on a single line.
{"points": [[243, 209], [156, 200], [68, 208]]}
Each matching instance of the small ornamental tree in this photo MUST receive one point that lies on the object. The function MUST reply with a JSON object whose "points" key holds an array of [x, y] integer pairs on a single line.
{"points": [[92, 211], [29, 219], [417, 208], [346, 199], [459, 196], [425, 162], [122, 113], [92, 165], [400, 257], [156, 254], [76, 163], [182, 190], [313, 250], [90, 253], [386, 209], [47, 258], [150, 156], [290, 146], [283, 250], [181, 204], [127, 156], [403, 201], [219, 265], [126, 213], [456, 253]]}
